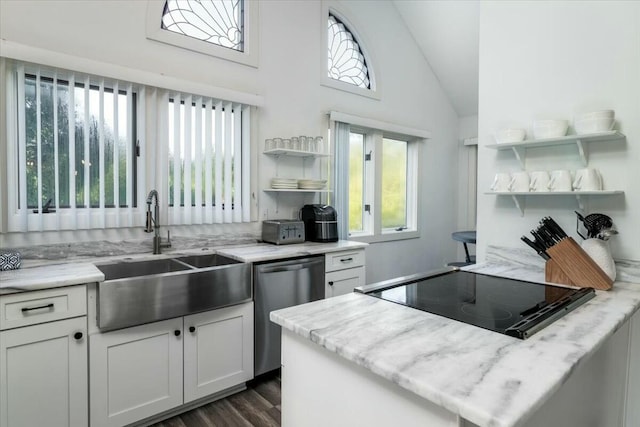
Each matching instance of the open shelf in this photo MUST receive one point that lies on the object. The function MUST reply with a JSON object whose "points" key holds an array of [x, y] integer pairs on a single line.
{"points": [[519, 148], [294, 190], [293, 153], [518, 197]]}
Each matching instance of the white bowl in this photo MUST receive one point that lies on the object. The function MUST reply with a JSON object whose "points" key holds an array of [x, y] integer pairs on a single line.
{"points": [[604, 114], [550, 128], [594, 125], [510, 135]]}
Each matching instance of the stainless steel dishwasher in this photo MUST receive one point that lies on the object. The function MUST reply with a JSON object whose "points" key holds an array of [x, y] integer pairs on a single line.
{"points": [[278, 285]]}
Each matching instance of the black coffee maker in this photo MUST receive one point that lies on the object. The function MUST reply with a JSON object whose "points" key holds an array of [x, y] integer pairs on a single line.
{"points": [[320, 223]]}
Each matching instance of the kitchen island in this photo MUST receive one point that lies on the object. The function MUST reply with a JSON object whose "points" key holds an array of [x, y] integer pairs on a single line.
{"points": [[358, 360]]}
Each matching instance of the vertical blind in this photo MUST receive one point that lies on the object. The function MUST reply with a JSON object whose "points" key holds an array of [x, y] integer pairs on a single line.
{"points": [[74, 156], [208, 157], [79, 159]]}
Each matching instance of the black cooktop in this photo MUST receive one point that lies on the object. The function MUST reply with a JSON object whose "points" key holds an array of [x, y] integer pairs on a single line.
{"points": [[512, 307]]}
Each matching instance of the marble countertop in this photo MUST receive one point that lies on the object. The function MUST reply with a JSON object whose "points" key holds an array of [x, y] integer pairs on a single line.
{"points": [[267, 252], [52, 276], [46, 268], [485, 377]]}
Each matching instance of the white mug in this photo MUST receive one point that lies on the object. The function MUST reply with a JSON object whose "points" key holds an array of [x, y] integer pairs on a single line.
{"points": [[501, 182], [519, 182], [587, 180], [539, 181], [560, 180]]}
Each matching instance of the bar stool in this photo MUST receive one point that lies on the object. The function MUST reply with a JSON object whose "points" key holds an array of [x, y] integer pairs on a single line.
{"points": [[466, 237]]}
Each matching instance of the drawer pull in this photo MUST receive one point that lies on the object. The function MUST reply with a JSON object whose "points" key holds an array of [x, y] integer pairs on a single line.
{"points": [[346, 259], [40, 307], [78, 336], [192, 329], [331, 283], [176, 332]]}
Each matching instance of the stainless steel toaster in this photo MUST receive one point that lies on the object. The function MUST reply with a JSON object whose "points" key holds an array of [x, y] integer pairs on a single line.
{"points": [[283, 231]]}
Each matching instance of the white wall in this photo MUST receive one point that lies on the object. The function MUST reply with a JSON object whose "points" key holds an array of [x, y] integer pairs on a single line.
{"points": [[552, 60], [288, 78]]}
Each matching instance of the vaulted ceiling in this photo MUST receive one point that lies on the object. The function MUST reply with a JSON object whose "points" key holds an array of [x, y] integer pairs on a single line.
{"points": [[447, 33]]}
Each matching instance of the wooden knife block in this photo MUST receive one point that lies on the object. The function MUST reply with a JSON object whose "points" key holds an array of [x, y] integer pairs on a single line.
{"points": [[571, 265]]}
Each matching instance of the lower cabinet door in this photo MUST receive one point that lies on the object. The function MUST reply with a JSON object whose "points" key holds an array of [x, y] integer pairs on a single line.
{"points": [[43, 375], [343, 281], [135, 372], [218, 350]]}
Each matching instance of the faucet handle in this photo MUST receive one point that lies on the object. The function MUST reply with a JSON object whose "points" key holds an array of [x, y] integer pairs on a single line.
{"points": [[168, 244]]}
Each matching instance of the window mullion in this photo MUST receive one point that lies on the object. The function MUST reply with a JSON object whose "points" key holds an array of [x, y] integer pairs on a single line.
{"points": [[376, 183]]}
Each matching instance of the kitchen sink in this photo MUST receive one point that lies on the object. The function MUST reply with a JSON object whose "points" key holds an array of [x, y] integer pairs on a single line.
{"points": [[125, 269], [138, 292], [209, 260]]}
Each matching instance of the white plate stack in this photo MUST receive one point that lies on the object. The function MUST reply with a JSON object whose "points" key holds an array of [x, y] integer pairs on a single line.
{"points": [[311, 184], [284, 183]]}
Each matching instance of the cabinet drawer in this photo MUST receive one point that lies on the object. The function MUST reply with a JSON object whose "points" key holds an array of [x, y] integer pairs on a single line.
{"points": [[343, 281], [30, 308], [341, 260]]}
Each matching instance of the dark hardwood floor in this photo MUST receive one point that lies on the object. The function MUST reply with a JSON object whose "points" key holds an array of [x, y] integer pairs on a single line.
{"points": [[258, 405]]}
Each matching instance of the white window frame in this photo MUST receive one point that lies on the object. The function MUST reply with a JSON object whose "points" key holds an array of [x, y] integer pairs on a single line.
{"points": [[372, 189], [329, 7], [152, 167], [249, 55], [21, 218]]}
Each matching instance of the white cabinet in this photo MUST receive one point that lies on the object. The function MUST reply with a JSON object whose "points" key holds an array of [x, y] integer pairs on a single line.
{"points": [[142, 371], [344, 271], [218, 350], [135, 372], [43, 365]]}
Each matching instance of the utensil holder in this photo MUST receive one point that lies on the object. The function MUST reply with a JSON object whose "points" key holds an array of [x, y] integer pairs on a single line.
{"points": [[571, 265]]}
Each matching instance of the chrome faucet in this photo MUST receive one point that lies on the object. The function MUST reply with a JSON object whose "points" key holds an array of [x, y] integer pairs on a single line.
{"points": [[153, 223]]}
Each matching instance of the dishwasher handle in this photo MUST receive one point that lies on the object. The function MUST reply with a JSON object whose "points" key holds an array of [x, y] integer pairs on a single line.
{"points": [[289, 265]]}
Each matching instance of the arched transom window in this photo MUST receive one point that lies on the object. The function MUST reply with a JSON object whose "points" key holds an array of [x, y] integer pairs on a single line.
{"points": [[214, 21], [346, 60]]}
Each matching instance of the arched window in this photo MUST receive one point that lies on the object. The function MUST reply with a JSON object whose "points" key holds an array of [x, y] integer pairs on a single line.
{"points": [[214, 21], [226, 29], [346, 62]]}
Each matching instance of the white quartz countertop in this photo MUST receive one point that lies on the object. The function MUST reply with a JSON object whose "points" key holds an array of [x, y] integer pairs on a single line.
{"points": [[268, 252], [485, 377], [50, 276]]}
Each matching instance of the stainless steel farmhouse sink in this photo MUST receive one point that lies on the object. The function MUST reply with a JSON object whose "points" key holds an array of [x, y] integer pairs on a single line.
{"points": [[137, 292]]}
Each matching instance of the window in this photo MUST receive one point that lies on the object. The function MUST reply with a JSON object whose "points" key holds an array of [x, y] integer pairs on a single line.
{"points": [[346, 62], [382, 181], [376, 181], [208, 160], [74, 156], [81, 161], [226, 29], [213, 21]]}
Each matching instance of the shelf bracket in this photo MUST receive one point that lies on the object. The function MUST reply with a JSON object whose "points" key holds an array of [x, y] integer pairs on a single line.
{"points": [[519, 202], [583, 152], [519, 152], [580, 201]]}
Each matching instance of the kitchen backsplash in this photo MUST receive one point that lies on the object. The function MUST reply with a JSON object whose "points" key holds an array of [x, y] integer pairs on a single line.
{"points": [[627, 270], [104, 248]]}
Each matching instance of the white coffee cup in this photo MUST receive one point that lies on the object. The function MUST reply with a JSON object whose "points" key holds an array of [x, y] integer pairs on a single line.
{"points": [[519, 182], [501, 182], [539, 181], [587, 180], [560, 180]]}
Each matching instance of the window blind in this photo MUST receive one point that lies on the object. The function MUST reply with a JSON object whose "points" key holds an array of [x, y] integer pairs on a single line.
{"points": [[74, 159], [208, 159]]}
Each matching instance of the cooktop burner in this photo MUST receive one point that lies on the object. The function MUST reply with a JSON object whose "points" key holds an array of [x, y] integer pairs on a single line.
{"points": [[512, 307]]}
